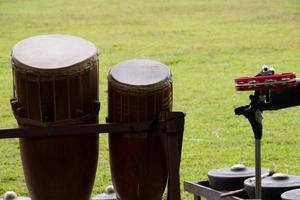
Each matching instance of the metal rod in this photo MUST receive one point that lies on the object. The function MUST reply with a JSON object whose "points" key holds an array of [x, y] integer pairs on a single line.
{"points": [[25, 132], [257, 168], [231, 193]]}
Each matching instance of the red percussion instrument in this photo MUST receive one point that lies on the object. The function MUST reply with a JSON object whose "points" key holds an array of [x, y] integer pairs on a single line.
{"points": [[137, 91], [267, 82], [56, 83]]}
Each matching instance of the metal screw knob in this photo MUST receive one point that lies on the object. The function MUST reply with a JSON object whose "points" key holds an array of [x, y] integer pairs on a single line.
{"points": [[238, 167], [280, 176]]}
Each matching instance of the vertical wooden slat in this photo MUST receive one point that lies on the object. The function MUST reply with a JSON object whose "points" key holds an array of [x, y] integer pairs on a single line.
{"points": [[155, 96], [81, 92], [54, 99], [128, 108], [146, 108], [40, 97], [113, 99], [69, 98], [14, 83], [18, 89], [27, 97], [121, 107], [97, 78], [138, 109]]}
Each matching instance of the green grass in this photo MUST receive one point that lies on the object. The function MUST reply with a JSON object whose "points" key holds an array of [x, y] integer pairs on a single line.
{"points": [[205, 43]]}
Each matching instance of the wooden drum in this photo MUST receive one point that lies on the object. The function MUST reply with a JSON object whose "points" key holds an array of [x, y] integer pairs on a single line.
{"points": [[56, 83], [137, 91]]}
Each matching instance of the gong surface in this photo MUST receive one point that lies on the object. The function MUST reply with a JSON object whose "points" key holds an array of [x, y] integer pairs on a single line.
{"points": [[291, 195]]}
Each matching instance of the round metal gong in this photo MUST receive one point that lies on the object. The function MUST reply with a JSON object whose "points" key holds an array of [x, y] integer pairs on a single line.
{"points": [[291, 195], [273, 186], [232, 178]]}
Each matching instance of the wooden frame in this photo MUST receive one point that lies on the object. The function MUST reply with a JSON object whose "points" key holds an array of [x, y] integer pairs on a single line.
{"points": [[171, 123], [202, 189]]}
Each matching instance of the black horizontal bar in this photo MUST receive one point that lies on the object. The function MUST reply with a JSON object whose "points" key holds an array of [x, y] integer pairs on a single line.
{"points": [[25, 132]]}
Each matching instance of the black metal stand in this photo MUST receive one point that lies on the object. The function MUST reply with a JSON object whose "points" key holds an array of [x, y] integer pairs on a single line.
{"points": [[254, 115]]}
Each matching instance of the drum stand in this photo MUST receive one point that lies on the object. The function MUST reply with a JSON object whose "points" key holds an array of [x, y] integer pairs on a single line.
{"points": [[254, 115], [170, 123]]}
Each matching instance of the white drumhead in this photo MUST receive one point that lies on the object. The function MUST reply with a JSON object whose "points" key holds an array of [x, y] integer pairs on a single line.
{"points": [[140, 72], [53, 51]]}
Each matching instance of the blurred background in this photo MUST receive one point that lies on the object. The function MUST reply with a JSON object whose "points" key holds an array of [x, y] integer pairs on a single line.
{"points": [[205, 43]]}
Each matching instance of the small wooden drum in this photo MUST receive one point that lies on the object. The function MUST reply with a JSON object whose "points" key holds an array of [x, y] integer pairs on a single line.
{"points": [[56, 83], [137, 91]]}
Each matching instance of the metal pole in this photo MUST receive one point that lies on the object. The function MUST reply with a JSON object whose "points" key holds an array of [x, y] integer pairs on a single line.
{"points": [[258, 169]]}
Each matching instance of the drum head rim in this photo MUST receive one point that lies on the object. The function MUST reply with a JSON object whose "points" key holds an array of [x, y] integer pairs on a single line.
{"points": [[155, 86], [68, 70], [168, 77], [51, 69]]}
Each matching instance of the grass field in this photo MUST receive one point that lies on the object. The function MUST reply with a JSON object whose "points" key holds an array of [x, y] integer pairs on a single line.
{"points": [[205, 43]]}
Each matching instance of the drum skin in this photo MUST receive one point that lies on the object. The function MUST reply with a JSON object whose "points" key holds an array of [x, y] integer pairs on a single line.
{"points": [[137, 91], [49, 77]]}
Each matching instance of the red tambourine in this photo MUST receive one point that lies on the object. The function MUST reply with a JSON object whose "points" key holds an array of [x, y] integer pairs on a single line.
{"points": [[276, 81]]}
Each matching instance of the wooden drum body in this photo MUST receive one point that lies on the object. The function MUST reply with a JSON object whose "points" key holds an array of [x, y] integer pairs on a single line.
{"points": [[56, 83], [137, 91]]}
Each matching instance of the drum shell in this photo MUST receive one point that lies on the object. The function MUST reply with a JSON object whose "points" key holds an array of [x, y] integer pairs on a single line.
{"points": [[55, 97], [58, 167], [129, 103]]}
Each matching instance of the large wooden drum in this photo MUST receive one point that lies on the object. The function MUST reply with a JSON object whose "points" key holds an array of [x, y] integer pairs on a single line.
{"points": [[137, 91], [56, 83]]}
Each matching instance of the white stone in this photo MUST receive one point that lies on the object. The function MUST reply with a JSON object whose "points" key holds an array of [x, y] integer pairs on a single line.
{"points": [[10, 195], [110, 189]]}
